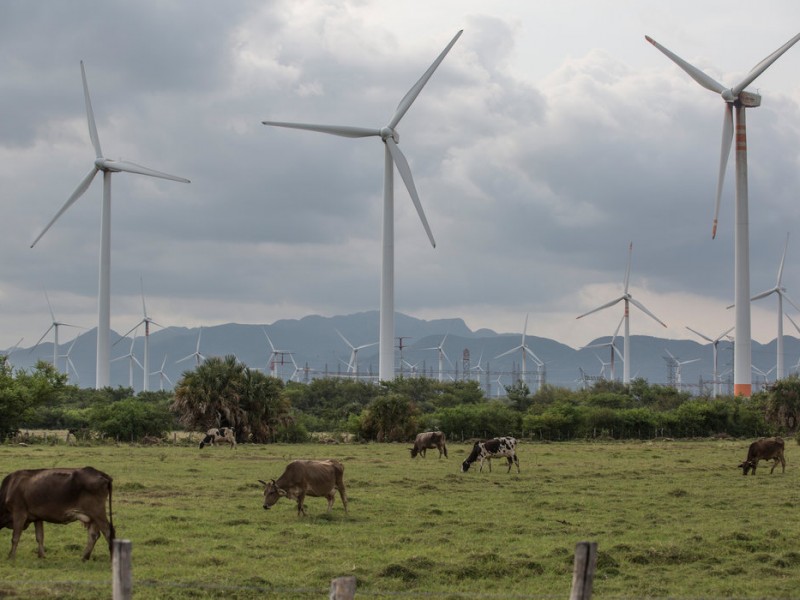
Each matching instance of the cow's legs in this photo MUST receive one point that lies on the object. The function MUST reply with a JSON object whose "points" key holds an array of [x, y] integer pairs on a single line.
{"points": [[342, 495], [18, 526], [91, 540], [516, 461], [301, 510], [775, 462], [510, 462], [331, 497], [38, 527]]}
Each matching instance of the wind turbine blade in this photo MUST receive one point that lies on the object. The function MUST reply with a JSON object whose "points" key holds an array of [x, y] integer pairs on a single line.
{"points": [[693, 72], [789, 300], [642, 308], [131, 330], [405, 172], [41, 338], [536, 359], [90, 115], [705, 337], [725, 152], [412, 94], [763, 294], [144, 306], [763, 65], [272, 347], [515, 348], [340, 130], [783, 259], [616, 331], [628, 270], [606, 305], [346, 341], [793, 323], [79, 191], [130, 167], [50, 306]]}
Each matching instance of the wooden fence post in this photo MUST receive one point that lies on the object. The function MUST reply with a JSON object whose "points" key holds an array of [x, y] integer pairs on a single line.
{"points": [[121, 576], [343, 588], [583, 573]]}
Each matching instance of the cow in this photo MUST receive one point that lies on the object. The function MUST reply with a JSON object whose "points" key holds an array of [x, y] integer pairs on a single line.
{"points": [[301, 478], [60, 495], [764, 449], [429, 439], [219, 435], [494, 448]]}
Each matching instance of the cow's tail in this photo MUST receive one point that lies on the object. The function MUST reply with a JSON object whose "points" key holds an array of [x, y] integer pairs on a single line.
{"points": [[112, 533]]}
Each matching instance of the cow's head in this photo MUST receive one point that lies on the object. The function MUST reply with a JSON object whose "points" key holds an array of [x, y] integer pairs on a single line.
{"points": [[746, 466], [272, 493], [465, 466], [414, 452]]}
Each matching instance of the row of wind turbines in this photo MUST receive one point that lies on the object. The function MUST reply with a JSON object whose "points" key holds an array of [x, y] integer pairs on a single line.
{"points": [[736, 101]]}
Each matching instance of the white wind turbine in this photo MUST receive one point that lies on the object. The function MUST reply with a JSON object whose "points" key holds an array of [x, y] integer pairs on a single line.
{"points": [[275, 355], [442, 357], [146, 321], [780, 291], [479, 370], [162, 374], [107, 166], [613, 348], [352, 365], [678, 364], [393, 156], [736, 100], [714, 343], [628, 300], [54, 325], [525, 352], [68, 364], [132, 360], [198, 358]]}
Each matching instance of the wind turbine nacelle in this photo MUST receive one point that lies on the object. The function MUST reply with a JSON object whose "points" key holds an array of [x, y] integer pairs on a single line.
{"points": [[749, 100], [386, 132]]}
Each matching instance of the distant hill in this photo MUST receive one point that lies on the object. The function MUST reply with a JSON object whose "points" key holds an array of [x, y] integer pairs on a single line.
{"points": [[317, 349]]}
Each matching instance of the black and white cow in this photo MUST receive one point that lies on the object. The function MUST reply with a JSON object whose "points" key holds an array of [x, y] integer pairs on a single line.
{"points": [[219, 435], [494, 448]]}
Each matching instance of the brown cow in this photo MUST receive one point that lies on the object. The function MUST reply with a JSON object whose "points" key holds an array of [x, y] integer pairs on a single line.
{"points": [[301, 478], [57, 496], [429, 439], [764, 449]]}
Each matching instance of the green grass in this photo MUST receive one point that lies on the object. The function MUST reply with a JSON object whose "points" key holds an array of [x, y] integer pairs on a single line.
{"points": [[672, 519]]}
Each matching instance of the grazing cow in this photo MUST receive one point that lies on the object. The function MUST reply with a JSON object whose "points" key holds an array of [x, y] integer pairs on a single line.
{"points": [[429, 439], [494, 448], [301, 478], [57, 496], [219, 435], [764, 449]]}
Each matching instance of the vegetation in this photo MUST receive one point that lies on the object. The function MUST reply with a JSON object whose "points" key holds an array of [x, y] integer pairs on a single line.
{"points": [[671, 518]]}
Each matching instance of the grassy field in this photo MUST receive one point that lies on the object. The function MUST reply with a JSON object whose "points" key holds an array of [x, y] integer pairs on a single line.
{"points": [[671, 518]]}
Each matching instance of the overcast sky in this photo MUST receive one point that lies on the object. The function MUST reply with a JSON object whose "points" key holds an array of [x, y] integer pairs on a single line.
{"points": [[551, 136]]}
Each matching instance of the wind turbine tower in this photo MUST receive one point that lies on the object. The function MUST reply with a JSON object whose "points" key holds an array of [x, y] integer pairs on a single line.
{"points": [[107, 166], [736, 102], [393, 156]]}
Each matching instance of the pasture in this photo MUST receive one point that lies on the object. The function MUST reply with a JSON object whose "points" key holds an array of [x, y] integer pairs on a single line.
{"points": [[672, 519]]}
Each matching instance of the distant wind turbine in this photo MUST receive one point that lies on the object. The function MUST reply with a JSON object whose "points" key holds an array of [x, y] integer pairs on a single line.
{"points": [[628, 300], [54, 325], [131, 361], [352, 365], [613, 349], [146, 321], [198, 358], [162, 375], [275, 355], [779, 291], [107, 166], [714, 343], [736, 100], [393, 156], [678, 364], [442, 357], [69, 365], [525, 352]]}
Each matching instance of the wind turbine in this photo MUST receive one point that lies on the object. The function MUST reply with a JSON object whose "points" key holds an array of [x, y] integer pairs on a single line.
{"points": [[162, 375], [714, 343], [146, 321], [628, 299], [442, 357], [736, 101], [479, 370], [272, 361], [198, 358], [107, 166], [780, 291], [352, 365], [393, 156], [131, 361], [678, 364], [69, 364], [614, 350], [54, 325], [525, 351]]}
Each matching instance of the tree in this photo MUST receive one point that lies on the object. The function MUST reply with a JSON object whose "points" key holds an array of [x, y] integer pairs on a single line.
{"points": [[390, 417], [22, 393], [783, 403]]}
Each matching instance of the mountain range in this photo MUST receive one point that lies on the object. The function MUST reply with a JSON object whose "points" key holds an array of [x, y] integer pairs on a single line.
{"points": [[313, 347]]}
